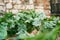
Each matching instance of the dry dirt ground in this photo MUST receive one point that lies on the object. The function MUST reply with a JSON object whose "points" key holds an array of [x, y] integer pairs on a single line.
{"points": [[58, 38]]}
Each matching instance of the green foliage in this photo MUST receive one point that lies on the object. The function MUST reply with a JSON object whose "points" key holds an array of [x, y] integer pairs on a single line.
{"points": [[16, 24], [22, 23], [3, 30], [46, 35]]}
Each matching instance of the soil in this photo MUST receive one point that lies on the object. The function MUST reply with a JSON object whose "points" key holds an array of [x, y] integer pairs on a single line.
{"points": [[58, 38]]}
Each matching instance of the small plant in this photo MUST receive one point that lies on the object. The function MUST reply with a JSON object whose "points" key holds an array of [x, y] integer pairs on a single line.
{"points": [[46, 35], [20, 25]]}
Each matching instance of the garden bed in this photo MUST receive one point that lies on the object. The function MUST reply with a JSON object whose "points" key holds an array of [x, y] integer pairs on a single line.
{"points": [[29, 25]]}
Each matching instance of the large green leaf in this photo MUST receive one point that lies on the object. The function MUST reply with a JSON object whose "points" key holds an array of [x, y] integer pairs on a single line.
{"points": [[3, 30]]}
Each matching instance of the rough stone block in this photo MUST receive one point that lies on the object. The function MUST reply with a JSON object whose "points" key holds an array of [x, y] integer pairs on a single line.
{"points": [[18, 2], [30, 1], [6, 1], [2, 4], [40, 6], [1, 7], [47, 12], [22, 7], [29, 6], [17, 6], [14, 1], [37, 10], [1, 1], [14, 11], [9, 6], [7, 10], [10, 1]]}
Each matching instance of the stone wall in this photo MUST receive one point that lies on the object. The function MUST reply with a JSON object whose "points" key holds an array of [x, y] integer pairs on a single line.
{"points": [[2, 5], [18, 5]]}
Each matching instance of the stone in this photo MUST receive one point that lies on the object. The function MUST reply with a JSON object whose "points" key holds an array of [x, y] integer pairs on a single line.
{"points": [[17, 6], [47, 3], [14, 11], [22, 7], [29, 7], [7, 10], [47, 8], [4, 8], [14, 1], [47, 12], [6, 1], [1, 7], [37, 10], [40, 6], [10, 1], [2, 4], [20, 10], [18, 2], [9, 6], [1, 1], [30, 1]]}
